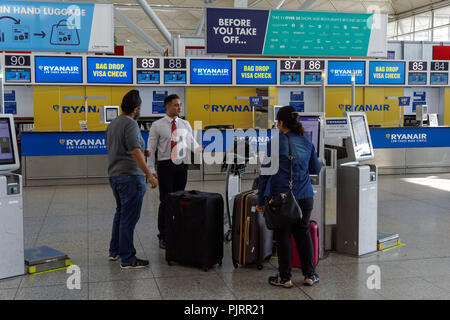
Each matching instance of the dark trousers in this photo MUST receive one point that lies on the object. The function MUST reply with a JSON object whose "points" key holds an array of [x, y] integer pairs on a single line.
{"points": [[129, 192], [303, 241], [171, 178]]}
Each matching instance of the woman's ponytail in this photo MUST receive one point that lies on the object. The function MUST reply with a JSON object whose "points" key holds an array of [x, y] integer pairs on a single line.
{"points": [[288, 115]]}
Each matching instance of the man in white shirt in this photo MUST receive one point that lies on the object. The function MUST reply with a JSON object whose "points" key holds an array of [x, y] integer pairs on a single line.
{"points": [[171, 138]]}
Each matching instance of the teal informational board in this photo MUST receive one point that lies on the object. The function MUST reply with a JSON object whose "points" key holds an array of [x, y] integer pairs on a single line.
{"points": [[276, 32], [317, 33]]}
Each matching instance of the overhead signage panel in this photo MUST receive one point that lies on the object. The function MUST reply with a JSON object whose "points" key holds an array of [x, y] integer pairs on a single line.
{"points": [[147, 76], [340, 72], [277, 32], [110, 70], [256, 72], [417, 78], [235, 30], [175, 77], [439, 78], [287, 77], [18, 75], [204, 71], [58, 69], [386, 72], [313, 77], [56, 26]]}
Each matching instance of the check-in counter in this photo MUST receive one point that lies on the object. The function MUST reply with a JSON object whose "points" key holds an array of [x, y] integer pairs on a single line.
{"points": [[69, 158], [410, 150]]}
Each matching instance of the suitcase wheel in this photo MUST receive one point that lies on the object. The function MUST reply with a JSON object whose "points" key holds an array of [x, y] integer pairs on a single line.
{"points": [[228, 236], [235, 264], [170, 263], [259, 266], [205, 269]]}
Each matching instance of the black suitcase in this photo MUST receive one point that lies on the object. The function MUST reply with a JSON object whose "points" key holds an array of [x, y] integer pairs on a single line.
{"points": [[252, 241], [194, 228]]}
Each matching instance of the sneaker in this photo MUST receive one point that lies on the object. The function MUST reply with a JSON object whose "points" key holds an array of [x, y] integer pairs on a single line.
{"points": [[162, 244], [310, 280], [114, 258], [137, 264], [276, 281]]}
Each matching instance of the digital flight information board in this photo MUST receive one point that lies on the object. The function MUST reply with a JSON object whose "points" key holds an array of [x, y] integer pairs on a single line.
{"points": [[148, 71], [417, 78], [290, 72], [58, 69], [175, 71], [110, 70], [25, 69], [256, 71]]}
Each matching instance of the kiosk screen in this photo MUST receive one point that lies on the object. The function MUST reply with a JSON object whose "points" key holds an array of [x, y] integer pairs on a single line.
{"points": [[111, 114], [6, 144], [312, 128], [361, 137]]}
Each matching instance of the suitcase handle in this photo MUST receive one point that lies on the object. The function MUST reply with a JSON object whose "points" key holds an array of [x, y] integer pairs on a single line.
{"points": [[247, 228]]}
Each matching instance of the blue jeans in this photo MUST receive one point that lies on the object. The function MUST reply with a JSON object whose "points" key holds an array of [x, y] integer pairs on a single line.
{"points": [[129, 192]]}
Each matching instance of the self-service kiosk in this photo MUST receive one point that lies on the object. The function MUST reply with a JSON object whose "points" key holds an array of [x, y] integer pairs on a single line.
{"points": [[313, 123], [11, 205], [108, 113], [357, 191]]}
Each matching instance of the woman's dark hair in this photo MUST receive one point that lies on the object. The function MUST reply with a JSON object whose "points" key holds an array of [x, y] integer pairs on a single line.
{"points": [[290, 119], [169, 99], [130, 101]]}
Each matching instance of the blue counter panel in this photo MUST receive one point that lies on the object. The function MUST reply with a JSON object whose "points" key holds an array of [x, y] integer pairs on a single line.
{"points": [[65, 143], [92, 143], [431, 137]]}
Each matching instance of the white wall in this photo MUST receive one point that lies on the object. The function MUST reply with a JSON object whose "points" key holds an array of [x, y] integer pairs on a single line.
{"points": [[24, 100], [433, 99], [312, 97]]}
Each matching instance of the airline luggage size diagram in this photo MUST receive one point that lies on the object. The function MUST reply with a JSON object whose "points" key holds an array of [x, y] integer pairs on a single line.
{"points": [[64, 33]]}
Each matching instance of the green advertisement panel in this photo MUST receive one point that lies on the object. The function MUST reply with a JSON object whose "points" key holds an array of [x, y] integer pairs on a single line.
{"points": [[319, 33]]}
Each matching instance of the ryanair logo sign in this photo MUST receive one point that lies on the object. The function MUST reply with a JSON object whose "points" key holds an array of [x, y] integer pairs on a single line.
{"points": [[346, 72], [364, 108], [83, 144], [227, 108], [407, 137], [211, 71], [60, 69], [76, 109]]}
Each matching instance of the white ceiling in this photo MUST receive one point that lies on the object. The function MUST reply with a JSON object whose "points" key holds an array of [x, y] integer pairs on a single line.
{"points": [[182, 16]]}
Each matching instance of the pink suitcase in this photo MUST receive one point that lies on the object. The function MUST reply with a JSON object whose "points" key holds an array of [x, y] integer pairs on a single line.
{"points": [[314, 231]]}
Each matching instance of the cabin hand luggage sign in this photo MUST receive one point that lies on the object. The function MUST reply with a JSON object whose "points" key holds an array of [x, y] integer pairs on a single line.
{"points": [[56, 26]]}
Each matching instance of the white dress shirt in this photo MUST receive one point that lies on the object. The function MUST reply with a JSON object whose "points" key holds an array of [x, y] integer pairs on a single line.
{"points": [[160, 140]]}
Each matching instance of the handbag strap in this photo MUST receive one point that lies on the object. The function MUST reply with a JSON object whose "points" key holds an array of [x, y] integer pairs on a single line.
{"points": [[291, 180]]}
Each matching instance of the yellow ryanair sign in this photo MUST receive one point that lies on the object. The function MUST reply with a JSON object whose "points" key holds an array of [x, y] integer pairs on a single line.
{"points": [[61, 108], [374, 101], [221, 106]]}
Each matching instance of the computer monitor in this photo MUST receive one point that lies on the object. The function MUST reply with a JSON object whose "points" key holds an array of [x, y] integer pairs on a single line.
{"points": [[9, 153], [108, 113], [311, 124], [359, 146]]}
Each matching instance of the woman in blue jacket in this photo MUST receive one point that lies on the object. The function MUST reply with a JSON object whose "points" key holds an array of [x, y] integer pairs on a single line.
{"points": [[304, 163]]}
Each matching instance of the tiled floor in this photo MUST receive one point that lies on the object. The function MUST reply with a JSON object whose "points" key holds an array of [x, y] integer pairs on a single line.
{"points": [[77, 220]]}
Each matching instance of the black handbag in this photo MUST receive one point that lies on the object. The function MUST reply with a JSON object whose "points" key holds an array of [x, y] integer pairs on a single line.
{"points": [[283, 210]]}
